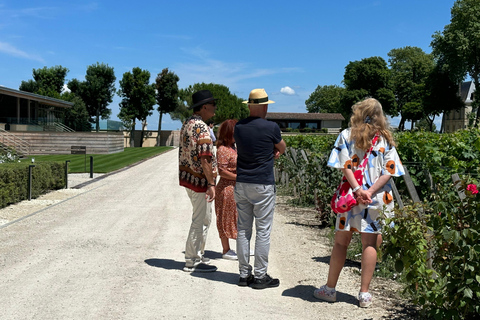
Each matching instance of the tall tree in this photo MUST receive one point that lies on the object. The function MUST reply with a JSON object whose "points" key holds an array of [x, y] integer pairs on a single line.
{"points": [[368, 77], [441, 95], [167, 95], [46, 81], [138, 99], [229, 106], [76, 117], [458, 47], [50, 82], [96, 91], [410, 67], [326, 99]]}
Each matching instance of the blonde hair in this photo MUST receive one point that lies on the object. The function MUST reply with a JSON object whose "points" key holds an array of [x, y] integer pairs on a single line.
{"points": [[367, 120]]}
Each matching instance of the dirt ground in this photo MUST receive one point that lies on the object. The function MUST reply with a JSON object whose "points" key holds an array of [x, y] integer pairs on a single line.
{"points": [[112, 248]]}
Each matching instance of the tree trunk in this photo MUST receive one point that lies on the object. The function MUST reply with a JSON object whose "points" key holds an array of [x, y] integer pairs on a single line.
{"points": [[144, 124], [132, 138], [159, 129], [401, 125], [97, 122]]}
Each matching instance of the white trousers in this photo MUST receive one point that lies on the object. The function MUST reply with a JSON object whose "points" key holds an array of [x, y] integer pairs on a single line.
{"points": [[197, 236]]}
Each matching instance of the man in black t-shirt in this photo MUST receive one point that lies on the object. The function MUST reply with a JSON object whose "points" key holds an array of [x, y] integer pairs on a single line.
{"points": [[258, 142]]}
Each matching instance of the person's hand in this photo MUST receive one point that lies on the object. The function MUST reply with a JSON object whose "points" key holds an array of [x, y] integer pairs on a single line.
{"points": [[276, 153], [363, 196], [210, 194]]}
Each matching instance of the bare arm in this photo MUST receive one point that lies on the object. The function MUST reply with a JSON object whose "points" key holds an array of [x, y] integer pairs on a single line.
{"points": [[225, 174], [208, 171], [365, 196], [279, 149]]}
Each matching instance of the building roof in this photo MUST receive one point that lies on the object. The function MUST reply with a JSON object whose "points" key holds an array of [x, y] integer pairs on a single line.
{"points": [[465, 88], [36, 97], [304, 116]]}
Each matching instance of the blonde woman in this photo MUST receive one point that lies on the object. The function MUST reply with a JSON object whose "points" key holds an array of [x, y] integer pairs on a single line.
{"points": [[374, 196]]}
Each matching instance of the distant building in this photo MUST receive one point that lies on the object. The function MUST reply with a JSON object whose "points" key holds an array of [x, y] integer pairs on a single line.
{"points": [[26, 111], [458, 119], [315, 122]]}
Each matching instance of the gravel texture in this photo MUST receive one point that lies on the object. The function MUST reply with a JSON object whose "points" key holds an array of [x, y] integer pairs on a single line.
{"points": [[113, 249]]}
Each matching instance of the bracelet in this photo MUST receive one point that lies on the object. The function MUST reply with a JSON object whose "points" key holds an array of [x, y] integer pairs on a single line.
{"points": [[211, 184], [356, 188]]}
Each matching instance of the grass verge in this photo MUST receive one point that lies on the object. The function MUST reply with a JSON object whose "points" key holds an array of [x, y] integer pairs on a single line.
{"points": [[102, 163]]}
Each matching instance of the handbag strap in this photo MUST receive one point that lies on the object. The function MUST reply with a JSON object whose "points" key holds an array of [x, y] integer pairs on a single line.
{"points": [[367, 154]]}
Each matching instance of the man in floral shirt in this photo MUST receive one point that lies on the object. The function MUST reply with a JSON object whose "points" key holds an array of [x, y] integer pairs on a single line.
{"points": [[197, 173]]}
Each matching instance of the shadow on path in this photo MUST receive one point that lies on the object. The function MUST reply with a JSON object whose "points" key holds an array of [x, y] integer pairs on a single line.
{"points": [[220, 276], [305, 292]]}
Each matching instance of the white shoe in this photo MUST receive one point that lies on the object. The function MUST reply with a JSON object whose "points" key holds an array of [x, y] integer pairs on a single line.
{"points": [[364, 299], [230, 255], [252, 252]]}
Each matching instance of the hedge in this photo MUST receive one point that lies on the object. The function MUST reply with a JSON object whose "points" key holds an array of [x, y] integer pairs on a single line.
{"points": [[46, 176]]}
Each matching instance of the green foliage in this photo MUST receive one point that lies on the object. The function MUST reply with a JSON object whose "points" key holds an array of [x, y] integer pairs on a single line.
{"points": [[369, 77], [46, 81], [410, 67], [167, 94], [138, 98], [326, 99], [229, 106], [14, 180], [456, 48], [96, 91], [449, 227], [305, 162], [441, 154], [8, 155]]}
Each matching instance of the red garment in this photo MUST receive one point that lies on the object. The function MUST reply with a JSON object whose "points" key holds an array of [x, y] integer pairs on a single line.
{"points": [[225, 206]]}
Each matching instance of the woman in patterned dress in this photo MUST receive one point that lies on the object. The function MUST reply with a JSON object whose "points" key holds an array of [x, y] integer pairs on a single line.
{"points": [[225, 206], [374, 197]]}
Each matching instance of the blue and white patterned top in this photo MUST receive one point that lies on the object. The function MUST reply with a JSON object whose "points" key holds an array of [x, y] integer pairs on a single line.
{"points": [[383, 160]]}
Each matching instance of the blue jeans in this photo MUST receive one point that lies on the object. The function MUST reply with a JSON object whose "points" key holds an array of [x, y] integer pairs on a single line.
{"points": [[254, 202]]}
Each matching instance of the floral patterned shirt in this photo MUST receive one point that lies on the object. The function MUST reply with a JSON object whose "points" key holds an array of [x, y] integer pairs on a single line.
{"points": [[195, 142]]}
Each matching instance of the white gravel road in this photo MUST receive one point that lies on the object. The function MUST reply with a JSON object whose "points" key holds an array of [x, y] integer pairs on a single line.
{"points": [[114, 250]]}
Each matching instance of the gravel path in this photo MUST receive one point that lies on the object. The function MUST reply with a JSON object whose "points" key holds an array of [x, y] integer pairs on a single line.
{"points": [[113, 249]]}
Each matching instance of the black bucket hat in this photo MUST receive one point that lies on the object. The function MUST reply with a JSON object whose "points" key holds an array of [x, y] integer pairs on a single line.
{"points": [[201, 97]]}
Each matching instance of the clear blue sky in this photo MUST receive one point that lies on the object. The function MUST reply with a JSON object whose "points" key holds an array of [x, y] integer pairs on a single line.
{"points": [[288, 48]]}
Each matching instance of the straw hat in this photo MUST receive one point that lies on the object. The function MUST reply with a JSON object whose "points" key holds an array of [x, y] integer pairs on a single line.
{"points": [[258, 96]]}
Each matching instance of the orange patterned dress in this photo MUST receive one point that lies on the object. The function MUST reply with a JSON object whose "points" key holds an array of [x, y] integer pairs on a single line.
{"points": [[225, 206]]}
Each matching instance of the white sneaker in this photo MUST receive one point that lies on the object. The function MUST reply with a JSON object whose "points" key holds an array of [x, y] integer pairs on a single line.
{"points": [[325, 294], [364, 299], [252, 252], [230, 255]]}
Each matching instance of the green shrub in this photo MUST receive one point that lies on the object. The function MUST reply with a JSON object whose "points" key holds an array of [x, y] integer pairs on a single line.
{"points": [[46, 176], [450, 228]]}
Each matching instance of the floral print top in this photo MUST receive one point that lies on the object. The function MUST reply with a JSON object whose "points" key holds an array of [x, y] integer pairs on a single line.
{"points": [[383, 160], [195, 142]]}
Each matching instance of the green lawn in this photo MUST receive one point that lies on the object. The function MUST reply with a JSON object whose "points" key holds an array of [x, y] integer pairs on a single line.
{"points": [[102, 163]]}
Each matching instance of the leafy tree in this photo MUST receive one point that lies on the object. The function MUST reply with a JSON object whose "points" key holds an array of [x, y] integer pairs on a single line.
{"points": [[167, 95], [76, 117], [46, 81], [229, 106], [96, 91], [326, 99], [410, 67], [458, 47], [138, 99], [49, 82], [368, 77], [441, 95]]}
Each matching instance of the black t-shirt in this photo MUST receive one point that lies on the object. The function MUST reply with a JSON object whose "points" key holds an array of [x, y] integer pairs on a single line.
{"points": [[256, 139]]}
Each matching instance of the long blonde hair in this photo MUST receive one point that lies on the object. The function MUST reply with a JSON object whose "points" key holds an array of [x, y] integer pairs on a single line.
{"points": [[367, 120]]}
